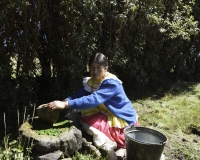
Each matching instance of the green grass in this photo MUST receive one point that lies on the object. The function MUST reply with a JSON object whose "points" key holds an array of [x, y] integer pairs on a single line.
{"points": [[86, 156], [176, 115], [15, 149], [44, 128]]}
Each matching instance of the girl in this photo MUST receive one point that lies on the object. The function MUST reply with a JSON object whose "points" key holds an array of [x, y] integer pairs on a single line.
{"points": [[105, 108]]}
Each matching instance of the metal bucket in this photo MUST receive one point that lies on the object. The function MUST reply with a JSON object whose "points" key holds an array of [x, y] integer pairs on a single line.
{"points": [[144, 143]]}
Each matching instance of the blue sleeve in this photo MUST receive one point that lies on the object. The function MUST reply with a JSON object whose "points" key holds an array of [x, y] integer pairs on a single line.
{"points": [[80, 93], [105, 92]]}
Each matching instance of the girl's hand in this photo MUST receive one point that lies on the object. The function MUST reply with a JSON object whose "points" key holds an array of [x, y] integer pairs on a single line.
{"points": [[58, 105]]}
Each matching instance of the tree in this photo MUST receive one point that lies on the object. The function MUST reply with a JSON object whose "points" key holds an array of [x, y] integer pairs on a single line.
{"points": [[45, 45]]}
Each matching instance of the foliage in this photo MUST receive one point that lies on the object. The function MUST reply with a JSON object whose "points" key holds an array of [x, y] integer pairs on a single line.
{"points": [[83, 156], [15, 149], [175, 115], [55, 129], [45, 45], [18, 147], [172, 111]]}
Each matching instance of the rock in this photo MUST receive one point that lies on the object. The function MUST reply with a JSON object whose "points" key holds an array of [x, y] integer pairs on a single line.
{"points": [[46, 144], [50, 156], [71, 142], [68, 142], [46, 115], [112, 155], [162, 157], [91, 148], [75, 118]]}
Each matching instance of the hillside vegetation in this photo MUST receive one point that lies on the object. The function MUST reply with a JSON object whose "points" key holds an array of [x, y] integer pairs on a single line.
{"points": [[175, 113], [45, 47]]}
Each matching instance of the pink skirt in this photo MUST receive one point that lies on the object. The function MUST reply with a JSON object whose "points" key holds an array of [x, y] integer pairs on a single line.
{"points": [[100, 121]]}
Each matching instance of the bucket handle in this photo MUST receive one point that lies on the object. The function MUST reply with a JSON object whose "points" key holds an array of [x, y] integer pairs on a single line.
{"points": [[162, 143]]}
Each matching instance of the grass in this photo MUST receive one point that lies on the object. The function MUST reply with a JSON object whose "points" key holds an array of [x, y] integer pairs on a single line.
{"points": [[86, 156], [176, 115], [55, 129], [15, 149]]}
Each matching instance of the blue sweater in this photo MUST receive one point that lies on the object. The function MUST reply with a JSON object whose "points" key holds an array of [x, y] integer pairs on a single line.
{"points": [[111, 94]]}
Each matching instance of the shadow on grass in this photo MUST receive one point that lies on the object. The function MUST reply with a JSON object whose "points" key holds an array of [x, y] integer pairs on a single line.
{"points": [[157, 91]]}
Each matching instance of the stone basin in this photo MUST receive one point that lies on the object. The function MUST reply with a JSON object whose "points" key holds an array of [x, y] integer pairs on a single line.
{"points": [[47, 137]]}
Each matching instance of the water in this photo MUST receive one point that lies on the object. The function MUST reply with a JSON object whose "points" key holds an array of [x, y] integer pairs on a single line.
{"points": [[144, 137]]}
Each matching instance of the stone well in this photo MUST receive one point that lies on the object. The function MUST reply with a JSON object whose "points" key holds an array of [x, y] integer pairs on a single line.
{"points": [[46, 139]]}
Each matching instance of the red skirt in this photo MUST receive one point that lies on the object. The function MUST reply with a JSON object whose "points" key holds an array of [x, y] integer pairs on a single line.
{"points": [[100, 121]]}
